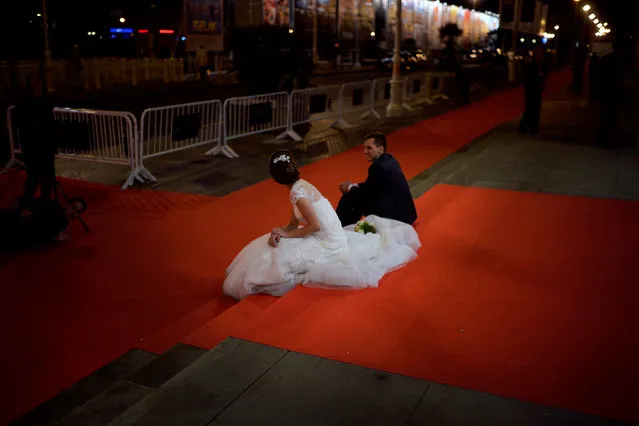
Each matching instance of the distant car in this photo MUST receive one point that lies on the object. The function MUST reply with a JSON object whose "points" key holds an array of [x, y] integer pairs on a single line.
{"points": [[409, 60]]}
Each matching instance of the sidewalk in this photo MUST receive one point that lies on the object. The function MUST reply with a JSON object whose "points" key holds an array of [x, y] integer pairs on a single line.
{"points": [[563, 159]]}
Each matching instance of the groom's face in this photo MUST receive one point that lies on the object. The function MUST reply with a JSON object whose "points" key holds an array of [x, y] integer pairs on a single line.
{"points": [[371, 150]]}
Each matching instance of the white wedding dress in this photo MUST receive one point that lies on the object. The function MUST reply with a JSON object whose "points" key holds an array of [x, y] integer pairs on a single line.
{"points": [[333, 257]]}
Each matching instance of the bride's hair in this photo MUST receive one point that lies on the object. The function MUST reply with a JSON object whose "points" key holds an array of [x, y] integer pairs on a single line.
{"points": [[283, 168]]}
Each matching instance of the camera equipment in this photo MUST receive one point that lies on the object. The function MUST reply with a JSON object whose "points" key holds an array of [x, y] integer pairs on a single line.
{"points": [[57, 184]]}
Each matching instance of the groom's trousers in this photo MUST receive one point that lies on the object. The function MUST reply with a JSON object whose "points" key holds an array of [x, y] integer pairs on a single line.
{"points": [[351, 208]]}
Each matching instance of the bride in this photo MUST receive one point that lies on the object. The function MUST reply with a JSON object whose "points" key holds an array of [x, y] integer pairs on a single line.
{"points": [[320, 253]]}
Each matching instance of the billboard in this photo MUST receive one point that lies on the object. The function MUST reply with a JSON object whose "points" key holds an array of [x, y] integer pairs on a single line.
{"points": [[204, 24], [276, 12]]}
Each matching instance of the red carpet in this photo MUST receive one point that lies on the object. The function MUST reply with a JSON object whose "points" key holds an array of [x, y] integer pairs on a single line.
{"points": [[151, 270], [518, 294]]}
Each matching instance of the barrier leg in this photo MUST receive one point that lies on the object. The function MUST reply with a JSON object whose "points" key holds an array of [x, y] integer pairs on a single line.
{"points": [[341, 122], [371, 112], [290, 133], [223, 149], [13, 161], [140, 174]]}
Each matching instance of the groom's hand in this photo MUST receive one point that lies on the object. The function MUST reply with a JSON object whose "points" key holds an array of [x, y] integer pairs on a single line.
{"points": [[344, 186]]}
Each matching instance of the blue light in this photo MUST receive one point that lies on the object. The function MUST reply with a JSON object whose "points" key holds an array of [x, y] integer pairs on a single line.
{"points": [[183, 38], [544, 40], [112, 35], [121, 30]]}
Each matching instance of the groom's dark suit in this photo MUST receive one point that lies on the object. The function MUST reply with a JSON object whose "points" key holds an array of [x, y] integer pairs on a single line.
{"points": [[385, 194]]}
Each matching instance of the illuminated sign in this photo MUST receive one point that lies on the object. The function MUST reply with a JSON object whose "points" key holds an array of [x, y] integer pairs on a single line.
{"points": [[121, 30]]}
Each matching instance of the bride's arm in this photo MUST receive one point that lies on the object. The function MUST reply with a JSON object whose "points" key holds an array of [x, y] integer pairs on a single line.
{"points": [[312, 223], [293, 224]]}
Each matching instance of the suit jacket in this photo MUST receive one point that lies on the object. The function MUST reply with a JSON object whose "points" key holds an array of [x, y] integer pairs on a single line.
{"points": [[386, 191]]}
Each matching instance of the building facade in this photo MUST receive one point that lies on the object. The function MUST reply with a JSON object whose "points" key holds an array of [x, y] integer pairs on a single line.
{"points": [[342, 26]]}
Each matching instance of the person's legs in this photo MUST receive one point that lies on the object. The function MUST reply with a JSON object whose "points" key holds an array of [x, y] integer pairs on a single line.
{"points": [[524, 123], [31, 183], [607, 123], [350, 208], [47, 178], [10, 227], [535, 112]]}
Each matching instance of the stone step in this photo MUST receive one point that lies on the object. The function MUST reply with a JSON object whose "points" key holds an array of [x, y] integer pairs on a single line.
{"points": [[115, 400], [203, 390], [245, 383], [167, 365], [86, 389], [106, 406], [243, 313]]}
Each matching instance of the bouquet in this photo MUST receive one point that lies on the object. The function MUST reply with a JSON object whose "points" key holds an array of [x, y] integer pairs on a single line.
{"points": [[364, 227]]}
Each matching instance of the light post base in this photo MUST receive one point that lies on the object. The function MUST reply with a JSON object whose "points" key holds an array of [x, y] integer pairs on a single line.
{"points": [[394, 110], [395, 107]]}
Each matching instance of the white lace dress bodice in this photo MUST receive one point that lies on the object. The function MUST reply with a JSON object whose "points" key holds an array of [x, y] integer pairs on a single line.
{"points": [[332, 257], [331, 234]]}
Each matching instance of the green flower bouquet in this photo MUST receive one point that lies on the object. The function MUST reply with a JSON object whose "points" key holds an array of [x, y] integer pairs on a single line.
{"points": [[364, 227]]}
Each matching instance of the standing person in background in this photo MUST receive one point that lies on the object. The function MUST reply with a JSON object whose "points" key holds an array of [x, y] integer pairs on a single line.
{"points": [[202, 59], [35, 127], [609, 77], [593, 76], [534, 82], [578, 67]]}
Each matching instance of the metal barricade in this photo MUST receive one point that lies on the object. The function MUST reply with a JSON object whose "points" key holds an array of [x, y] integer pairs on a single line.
{"points": [[414, 89], [252, 115], [381, 94], [174, 128], [100, 136], [313, 104], [88, 135], [14, 142], [435, 86], [356, 97]]}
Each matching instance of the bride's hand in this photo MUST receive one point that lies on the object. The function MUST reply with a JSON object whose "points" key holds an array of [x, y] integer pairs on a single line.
{"points": [[281, 232], [273, 240]]}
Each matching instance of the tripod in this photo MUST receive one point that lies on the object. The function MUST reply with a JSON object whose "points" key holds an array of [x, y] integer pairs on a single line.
{"points": [[59, 188]]}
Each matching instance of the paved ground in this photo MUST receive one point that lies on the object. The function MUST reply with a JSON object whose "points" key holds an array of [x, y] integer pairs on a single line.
{"points": [[562, 159]]}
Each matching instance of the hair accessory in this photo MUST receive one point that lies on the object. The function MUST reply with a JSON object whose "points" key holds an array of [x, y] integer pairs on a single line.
{"points": [[282, 157]]}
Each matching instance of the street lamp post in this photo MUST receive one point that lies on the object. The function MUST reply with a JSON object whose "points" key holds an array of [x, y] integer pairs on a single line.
{"points": [[394, 108], [516, 18], [357, 16], [47, 50], [315, 30]]}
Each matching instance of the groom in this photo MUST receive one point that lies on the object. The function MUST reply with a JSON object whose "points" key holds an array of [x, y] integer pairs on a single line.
{"points": [[385, 193]]}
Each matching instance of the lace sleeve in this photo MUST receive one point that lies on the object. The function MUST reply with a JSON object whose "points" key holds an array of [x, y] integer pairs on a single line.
{"points": [[298, 193]]}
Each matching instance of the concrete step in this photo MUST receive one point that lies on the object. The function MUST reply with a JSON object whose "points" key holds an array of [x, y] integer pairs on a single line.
{"points": [[86, 389], [202, 391], [245, 383], [242, 314], [167, 365], [116, 399]]}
